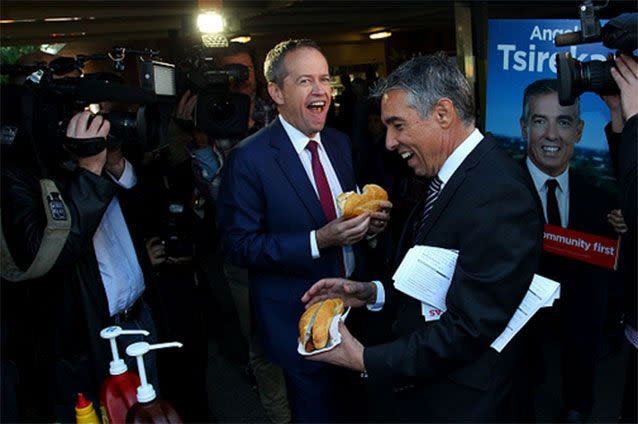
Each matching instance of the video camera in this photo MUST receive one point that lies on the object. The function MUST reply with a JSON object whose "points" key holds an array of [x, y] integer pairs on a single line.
{"points": [[220, 112], [41, 108], [576, 77]]}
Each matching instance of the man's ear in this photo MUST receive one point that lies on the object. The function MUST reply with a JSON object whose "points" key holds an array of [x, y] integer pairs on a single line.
{"points": [[579, 130], [445, 113], [523, 129], [275, 93]]}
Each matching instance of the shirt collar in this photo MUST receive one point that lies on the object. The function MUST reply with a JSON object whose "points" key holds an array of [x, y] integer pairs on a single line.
{"points": [[458, 155], [540, 178], [299, 140]]}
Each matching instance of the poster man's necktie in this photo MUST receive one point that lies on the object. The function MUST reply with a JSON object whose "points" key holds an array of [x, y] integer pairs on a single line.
{"points": [[553, 214]]}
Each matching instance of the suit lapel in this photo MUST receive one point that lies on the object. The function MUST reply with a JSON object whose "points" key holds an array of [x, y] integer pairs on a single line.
{"points": [[453, 185], [338, 162], [288, 160]]}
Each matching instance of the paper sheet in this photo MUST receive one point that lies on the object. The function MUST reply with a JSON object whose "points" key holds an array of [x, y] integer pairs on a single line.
{"points": [[426, 273]]}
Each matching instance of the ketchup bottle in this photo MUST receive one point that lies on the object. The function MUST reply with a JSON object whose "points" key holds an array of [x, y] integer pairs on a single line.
{"points": [[117, 394], [149, 408]]}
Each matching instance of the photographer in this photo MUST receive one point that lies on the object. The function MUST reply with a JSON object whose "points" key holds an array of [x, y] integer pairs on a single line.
{"points": [[621, 135], [209, 154], [98, 279]]}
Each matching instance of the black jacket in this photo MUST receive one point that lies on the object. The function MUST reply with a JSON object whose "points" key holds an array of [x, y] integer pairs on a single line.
{"points": [[64, 310], [488, 212]]}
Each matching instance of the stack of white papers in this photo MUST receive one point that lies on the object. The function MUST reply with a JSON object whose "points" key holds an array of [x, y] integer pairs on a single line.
{"points": [[426, 273]]}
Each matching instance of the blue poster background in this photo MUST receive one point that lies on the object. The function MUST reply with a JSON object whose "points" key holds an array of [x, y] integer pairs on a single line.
{"points": [[521, 51]]}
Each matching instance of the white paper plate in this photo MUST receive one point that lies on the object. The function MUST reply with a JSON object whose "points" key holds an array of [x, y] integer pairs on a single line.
{"points": [[335, 336]]}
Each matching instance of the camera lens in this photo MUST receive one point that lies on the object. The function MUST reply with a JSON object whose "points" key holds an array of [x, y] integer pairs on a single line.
{"points": [[575, 78]]}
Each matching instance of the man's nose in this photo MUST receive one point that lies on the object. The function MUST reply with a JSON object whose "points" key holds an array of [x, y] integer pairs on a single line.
{"points": [[390, 141], [552, 132]]}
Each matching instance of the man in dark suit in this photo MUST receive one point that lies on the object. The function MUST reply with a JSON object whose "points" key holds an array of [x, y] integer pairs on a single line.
{"points": [[480, 203], [569, 201], [279, 219]]}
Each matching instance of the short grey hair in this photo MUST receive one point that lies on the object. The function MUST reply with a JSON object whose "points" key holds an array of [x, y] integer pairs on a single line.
{"points": [[427, 79], [540, 88], [274, 69]]}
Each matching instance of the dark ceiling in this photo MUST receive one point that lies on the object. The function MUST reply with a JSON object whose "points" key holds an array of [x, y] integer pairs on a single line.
{"points": [[327, 21]]}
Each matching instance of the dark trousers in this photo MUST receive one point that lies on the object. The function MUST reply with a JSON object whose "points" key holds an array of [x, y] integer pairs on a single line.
{"points": [[629, 413], [582, 312], [327, 395]]}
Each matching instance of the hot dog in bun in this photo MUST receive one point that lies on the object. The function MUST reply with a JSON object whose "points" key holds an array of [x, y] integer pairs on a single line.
{"points": [[314, 324], [353, 204]]}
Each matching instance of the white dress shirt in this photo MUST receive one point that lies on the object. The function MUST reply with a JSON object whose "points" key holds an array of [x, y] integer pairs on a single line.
{"points": [[121, 273], [450, 166], [299, 142], [562, 190]]}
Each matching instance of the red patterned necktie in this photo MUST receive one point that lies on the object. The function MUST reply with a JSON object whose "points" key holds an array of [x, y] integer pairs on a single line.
{"points": [[325, 195]]}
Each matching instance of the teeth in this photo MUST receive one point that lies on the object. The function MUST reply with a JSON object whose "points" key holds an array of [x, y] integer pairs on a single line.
{"points": [[406, 155], [550, 149], [317, 104]]}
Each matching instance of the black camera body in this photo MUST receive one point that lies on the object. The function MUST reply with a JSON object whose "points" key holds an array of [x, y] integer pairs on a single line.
{"points": [[41, 108], [177, 238], [219, 111], [576, 77]]}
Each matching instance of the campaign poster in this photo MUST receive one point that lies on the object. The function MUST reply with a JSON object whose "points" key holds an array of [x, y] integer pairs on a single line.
{"points": [[521, 51]]}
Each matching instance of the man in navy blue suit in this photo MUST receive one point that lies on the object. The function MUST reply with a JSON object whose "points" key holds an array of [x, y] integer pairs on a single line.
{"points": [[278, 213]]}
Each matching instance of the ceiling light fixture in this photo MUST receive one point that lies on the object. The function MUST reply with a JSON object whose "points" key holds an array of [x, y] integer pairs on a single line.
{"points": [[63, 19], [241, 39], [380, 35], [210, 23]]}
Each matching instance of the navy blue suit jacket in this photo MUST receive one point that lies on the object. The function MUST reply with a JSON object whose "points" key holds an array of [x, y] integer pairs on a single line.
{"points": [[267, 208]]}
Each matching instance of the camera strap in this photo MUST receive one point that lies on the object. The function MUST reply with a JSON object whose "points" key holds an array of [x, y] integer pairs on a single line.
{"points": [[53, 239]]}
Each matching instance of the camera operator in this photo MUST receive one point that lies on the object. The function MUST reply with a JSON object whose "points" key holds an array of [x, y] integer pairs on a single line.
{"points": [[209, 154], [621, 135], [97, 280]]}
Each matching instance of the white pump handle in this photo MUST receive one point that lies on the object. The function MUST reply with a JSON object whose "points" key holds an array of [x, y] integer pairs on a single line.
{"points": [[117, 365], [145, 392]]}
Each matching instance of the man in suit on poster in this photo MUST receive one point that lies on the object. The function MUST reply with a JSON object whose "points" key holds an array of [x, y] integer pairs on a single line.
{"points": [[277, 209], [569, 201], [479, 202]]}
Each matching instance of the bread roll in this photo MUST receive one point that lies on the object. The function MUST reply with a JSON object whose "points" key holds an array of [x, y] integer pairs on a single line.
{"points": [[353, 204], [320, 316]]}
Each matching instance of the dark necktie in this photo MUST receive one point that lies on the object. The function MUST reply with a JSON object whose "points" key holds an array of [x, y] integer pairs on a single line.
{"points": [[325, 195], [433, 193], [553, 214]]}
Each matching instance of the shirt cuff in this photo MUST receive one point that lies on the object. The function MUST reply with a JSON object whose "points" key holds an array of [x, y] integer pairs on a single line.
{"points": [[378, 304], [314, 247], [128, 179]]}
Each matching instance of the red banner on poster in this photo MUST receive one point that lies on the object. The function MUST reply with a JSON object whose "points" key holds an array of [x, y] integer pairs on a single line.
{"points": [[585, 247]]}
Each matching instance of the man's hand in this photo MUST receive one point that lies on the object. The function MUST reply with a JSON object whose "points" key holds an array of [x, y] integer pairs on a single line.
{"points": [[186, 106], [184, 111], [353, 293], [617, 221], [156, 251], [99, 127], [342, 232], [626, 76], [379, 220], [347, 354]]}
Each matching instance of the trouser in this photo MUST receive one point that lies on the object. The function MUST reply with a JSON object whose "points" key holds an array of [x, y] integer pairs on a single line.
{"points": [[270, 378], [629, 411]]}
